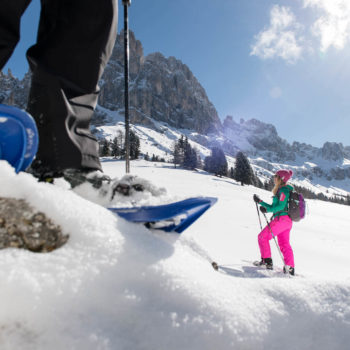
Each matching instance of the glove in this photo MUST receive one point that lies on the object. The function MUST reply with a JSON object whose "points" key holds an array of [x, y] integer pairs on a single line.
{"points": [[263, 210], [256, 199]]}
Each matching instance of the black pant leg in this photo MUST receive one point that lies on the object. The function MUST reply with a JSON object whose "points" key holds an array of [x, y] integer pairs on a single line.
{"points": [[75, 41], [11, 12]]}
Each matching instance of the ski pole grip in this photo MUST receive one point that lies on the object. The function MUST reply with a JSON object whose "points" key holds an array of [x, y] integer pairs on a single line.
{"points": [[256, 199]]}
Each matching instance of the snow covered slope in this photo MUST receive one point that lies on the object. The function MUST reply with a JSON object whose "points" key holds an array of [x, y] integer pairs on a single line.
{"points": [[116, 285], [159, 140]]}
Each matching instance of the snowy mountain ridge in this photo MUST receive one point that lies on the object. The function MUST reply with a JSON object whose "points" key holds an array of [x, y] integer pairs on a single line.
{"points": [[331, 177], [166, 100]]}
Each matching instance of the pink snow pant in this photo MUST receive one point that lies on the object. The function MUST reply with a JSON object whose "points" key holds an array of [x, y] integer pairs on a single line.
{"points": [[281, 229]]}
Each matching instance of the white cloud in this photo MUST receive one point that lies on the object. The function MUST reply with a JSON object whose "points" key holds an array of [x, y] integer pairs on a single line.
{"points": [[333, 26], [276, 92], [286, 38], [281, 39]]}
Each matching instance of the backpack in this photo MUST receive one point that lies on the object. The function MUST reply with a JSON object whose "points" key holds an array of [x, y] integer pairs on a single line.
{"points": [[296, 206]]}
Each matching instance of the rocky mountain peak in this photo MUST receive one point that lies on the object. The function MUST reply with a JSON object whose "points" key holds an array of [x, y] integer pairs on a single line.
{"points": [[332, 151], [162, 89], [135, 53], [14, 91], [252, 125], [252, 136]]}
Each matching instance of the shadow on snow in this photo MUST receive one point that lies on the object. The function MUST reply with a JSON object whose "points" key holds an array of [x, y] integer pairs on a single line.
{"points": [[245, 271]]}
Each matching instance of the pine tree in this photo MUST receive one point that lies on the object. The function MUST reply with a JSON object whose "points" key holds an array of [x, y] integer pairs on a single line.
{"points": [[121, 144], [134, 146], [220, 162], [105, 151], [181, 142], [176, 153], [190, 156], [257, 182], [193, 159], [208, 164], [243, 172], [216, 163], [115, 148], [185, 155], [155, 158], [199, 162], [231, 173]]}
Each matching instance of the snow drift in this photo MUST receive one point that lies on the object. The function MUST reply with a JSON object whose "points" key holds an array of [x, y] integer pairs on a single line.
{"points": [[117, 285]]}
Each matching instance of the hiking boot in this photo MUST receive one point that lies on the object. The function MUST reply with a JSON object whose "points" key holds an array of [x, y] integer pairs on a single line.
{"points": [[77, 177], [267, 262], [288, 269], [99, 187], [43, 173], [89, 183], [74, 177], [96, 186]]}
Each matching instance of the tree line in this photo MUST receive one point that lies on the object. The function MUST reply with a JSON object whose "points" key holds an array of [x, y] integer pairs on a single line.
{"points": [[185, 155], [116, 147], [188, 157]]}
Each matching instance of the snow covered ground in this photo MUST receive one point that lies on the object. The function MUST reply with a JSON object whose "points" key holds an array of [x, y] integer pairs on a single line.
{"points": [[116, 285], [160, 143]]}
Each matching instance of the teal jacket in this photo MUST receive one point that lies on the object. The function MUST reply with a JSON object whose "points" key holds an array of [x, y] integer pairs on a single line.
{"points": [[279, 206]]}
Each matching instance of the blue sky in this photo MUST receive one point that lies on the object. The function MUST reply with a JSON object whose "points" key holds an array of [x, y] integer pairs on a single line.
{"points": [[283, 62]]}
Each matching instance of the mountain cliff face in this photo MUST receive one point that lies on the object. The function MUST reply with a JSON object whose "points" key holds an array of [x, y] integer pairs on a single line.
{"points": [[162, 89]]}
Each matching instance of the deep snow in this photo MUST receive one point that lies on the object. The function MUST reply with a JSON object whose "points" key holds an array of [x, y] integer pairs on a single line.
{"points": [[116, 285]]}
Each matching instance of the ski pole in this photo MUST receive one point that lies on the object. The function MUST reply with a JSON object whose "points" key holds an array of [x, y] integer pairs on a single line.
{"points": [[274, 238], [258, 215], [126, 4]]}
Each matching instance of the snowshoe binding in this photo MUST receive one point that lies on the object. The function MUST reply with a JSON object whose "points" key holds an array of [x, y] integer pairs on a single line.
{"points": [[94, 185], [264, 262]]}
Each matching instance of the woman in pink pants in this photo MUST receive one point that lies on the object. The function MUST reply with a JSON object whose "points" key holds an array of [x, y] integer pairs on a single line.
{"points": [[280, 224]]}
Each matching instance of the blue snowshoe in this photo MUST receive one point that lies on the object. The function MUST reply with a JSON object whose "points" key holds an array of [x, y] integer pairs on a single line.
{"points": [[18, 137]]}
